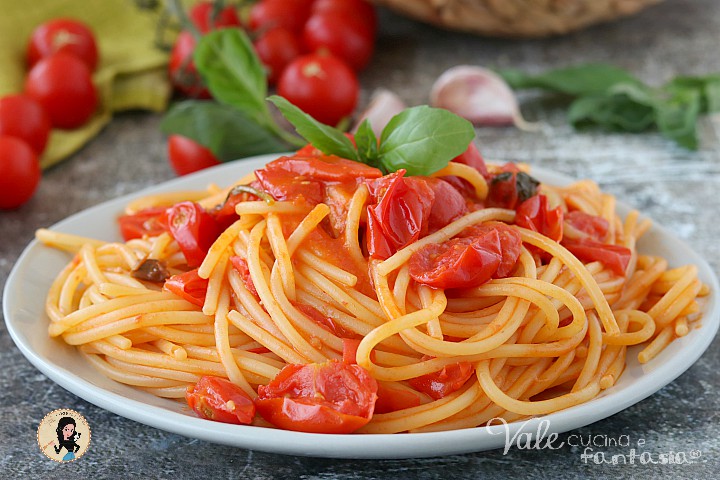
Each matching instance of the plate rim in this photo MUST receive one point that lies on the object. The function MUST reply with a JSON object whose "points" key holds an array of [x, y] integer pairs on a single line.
{"points": [[349, 446]]}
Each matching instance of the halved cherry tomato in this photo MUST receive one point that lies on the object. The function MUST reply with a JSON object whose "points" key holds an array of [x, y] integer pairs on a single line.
{"points": [[150, 221], [23, 117], [445, 381], [19, 172], [276, 48], [330, 397], [283, 185], [325, 167], [485, 252], [187, 156], [241, 265], [510, 187], [63, 35], [320, 85], [181, 68], [392, 398], [189, 286], [472, 158], [343, 34], [448, 204], [535, 215], [217, 399], [62, 84], [206, 18], [615, 257], [194, 229], [399, 214], [596, 228]]}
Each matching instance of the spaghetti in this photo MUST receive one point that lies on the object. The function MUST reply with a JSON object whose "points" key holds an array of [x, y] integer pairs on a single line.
{"points": [[290, 278]]}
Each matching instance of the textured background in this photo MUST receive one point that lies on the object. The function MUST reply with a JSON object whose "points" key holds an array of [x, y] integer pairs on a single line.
{"points": [[675, 187]]}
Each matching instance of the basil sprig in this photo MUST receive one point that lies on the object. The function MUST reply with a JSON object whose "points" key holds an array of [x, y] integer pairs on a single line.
{"points": [[239, 122], [422, 140], [611, 98]]}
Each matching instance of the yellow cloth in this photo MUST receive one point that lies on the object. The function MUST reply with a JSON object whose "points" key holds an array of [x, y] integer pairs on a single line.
{"points": [[131, 73]]}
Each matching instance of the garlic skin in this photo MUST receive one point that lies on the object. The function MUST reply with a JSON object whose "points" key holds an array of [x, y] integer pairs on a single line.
{"points": [[476, 94], [384, 105]]}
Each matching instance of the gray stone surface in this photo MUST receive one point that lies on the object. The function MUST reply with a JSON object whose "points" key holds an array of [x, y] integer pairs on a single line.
{"points": [[675, 187]]}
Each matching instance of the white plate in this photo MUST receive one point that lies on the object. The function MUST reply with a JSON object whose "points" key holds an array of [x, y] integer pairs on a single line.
{"points": [[33, 273]]}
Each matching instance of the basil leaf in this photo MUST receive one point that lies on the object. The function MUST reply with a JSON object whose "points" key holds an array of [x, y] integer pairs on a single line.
{"points": [[367, 144], [626, 107], [229, 133], [325, 138], [708, 87], [587, 79], [423, 140], [677, 118], [227, 62]]}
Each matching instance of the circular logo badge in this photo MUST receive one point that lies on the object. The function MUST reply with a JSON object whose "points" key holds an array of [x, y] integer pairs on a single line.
{"points": [[63, 435]]}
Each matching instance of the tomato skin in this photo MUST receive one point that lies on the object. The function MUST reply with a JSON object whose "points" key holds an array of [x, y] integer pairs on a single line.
{"points": [[201, 15], [448, 205], [596, 228], [194, 229], [187, 156], [63, 35], [535, 215], [62, 84], [330, 168], [150, 221], [23, 117], [277, 47], [392, 398], [241, 265], [320, 85], [189, 286], [342, 34], [615, 257], [211, 399], [289, 14], [359, 9], [472, 158], [181, 68], [19, 172], [399, 214], [331, 397], [479, 254], [445, 381]]}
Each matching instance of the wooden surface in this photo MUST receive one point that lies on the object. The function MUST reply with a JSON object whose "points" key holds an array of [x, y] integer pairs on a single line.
{"points": [[677, 188]]}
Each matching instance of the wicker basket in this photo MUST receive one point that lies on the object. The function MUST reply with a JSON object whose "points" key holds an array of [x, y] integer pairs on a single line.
{"points": [[516, 18]]}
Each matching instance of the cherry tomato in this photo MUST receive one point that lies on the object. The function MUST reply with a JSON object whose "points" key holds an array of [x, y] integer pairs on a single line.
{"points": [[615, 257], [217, 399], [276, 48], [19, 172], [187, 156], [324, 321], [62, 84], [330, 397], [183, 73], [399, 214], [343, 34], [150, 221], [596, 228], [479, 254], [534, 214], [360, 9], [392, 398], [321, 86], [511, 187], [350, 347], [241, 265], [448, 204], [63, 35], [205, 18], [189, 286], [194, 229], [289, 14], [445, 381], [24, 118], [472, 158]]}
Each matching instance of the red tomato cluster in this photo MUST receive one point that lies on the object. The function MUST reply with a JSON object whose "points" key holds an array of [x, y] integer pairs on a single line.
{"points": [[311, 49], [61, 55]]}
